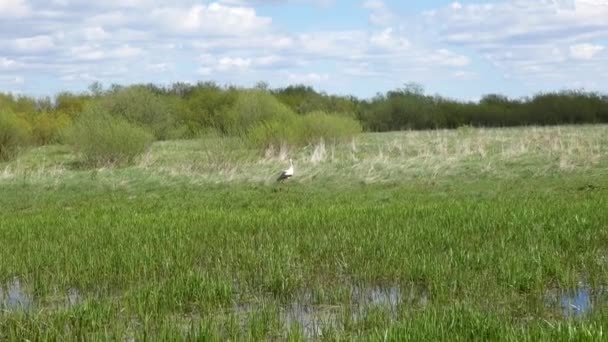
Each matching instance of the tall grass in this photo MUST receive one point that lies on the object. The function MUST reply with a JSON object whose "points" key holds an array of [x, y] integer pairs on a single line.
{"points": [[151, 260]]}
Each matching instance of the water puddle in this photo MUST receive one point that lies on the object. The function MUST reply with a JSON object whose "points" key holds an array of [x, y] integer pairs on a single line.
{"points": [[314, 318], [14, 297], [578, 302], [386, 297]]}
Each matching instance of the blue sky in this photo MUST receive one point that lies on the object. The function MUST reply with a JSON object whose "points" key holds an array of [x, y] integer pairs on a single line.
{"points": [[461, 49]]}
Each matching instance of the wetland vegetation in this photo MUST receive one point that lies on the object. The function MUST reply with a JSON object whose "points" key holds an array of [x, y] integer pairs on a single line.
{"points": [[141, 212], [473, 233]]}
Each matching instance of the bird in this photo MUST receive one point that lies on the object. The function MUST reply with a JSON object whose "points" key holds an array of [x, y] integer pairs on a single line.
{"points": [[286, 174]]}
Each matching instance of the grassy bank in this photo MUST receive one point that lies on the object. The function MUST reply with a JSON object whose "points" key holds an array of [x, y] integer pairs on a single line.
{"points": [[472, 233]]}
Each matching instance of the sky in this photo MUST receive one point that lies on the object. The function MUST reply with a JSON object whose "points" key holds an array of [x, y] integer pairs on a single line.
{"points": [[458, 49]]}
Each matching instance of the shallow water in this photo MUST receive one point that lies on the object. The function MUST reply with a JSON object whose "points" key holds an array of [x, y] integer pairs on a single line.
{"points": [[314, 318], [576, 303], [15, 297]]}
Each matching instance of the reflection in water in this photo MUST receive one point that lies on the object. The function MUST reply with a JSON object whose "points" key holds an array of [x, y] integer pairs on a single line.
{"points": [[14, 297], [576, 303], [313, 319]]}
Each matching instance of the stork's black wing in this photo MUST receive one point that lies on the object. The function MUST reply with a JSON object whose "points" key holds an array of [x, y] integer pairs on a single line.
{"points": [[283, 176]]}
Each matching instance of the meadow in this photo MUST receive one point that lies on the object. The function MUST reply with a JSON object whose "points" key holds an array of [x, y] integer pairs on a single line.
{"points": [[464, 234]]}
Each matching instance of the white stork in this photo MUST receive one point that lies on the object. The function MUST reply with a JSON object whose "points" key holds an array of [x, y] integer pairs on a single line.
{"points": [[286, 174]]}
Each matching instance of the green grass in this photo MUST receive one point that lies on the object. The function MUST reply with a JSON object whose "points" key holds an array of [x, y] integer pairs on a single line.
{"points": [[184, 244]]}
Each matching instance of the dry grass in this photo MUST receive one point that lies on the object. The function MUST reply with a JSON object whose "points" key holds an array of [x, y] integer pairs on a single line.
{"points": [[373, 157]]}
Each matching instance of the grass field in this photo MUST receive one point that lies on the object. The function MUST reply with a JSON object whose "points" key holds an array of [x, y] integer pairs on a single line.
{"points": [[498, 234]]}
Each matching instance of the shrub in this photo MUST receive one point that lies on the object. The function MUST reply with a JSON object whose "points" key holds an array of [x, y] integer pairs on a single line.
{"points": [[254, 108], [301, 130], [17, 104], [47, 127], [329, 127], [71, 104], [205, 106], [142, 107], [14, 133], [273, 133], [106, 139]]}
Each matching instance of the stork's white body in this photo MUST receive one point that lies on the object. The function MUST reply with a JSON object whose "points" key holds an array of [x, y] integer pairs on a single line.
{"points": [[286, 174]]}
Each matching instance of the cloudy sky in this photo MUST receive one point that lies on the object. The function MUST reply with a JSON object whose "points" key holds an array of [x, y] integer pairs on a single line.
{"points": [[459, 49]]}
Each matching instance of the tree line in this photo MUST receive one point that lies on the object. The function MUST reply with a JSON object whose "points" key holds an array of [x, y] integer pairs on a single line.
{"points": [[292, 115]]}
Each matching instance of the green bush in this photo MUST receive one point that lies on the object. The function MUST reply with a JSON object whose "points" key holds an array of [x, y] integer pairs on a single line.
{"points": [[14, 134], [70, 104], [17, 104], [254, 108], [263, 120], [204, 107], [142, 107], [274, 133], [304, 99], [106, 139], [47, 127], [301, 130], [329, 127]]}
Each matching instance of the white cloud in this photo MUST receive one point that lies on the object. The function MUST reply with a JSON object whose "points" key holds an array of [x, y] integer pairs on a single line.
{"points": [[204, 71], [214, 18], [79, 77], [307, 78], [387, 40], [228, 63], [9, 64], [95, 33], [464, 75], [12, 79], [34, 44], [528, 40], [212, 64], [109, 19], [159, 67], [520, 21], [585, 51], [269, 60], [456, 5], [341, 44], [125, 52], [87, 52], [380, 14], [447, 58], [14, 8], [98, 52]]}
